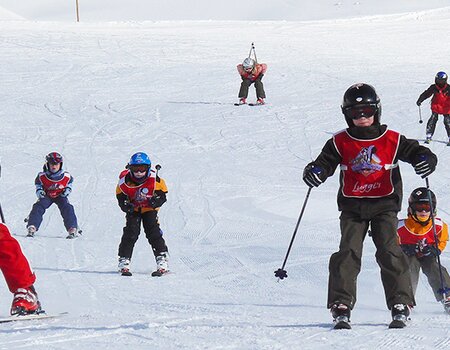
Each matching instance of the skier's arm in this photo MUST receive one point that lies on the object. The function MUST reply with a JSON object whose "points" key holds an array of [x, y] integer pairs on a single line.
{"points": [[443, 237], [412, 152], [323, 167], [426, 94], [40, 192], [159, 196]]}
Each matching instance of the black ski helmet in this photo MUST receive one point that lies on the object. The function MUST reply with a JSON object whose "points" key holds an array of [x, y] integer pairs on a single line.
{"points": [[360, 95], [440, 78], [419, 196]]}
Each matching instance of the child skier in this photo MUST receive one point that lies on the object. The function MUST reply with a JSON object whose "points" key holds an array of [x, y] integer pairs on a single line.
{"points": [[140, 193], [53, 185], [370, 193], [440, 104], [251, 73], [416, 237], [18, 275]]}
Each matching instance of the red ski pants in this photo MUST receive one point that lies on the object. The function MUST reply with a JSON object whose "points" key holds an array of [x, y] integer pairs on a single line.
{"points": [[13, 263]]}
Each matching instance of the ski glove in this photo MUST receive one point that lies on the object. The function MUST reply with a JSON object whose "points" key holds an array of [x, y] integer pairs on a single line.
{"points": [[424, 165], [127, 207], [425, 249], [157, 200], [66, 192], [313, 175], [40, 193], [409, 249]]}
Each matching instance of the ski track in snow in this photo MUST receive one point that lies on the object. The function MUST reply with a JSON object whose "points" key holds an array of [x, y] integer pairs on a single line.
{"points": [[99, 93]]}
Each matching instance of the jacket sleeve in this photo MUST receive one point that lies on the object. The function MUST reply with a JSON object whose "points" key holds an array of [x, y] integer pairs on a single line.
{"points": [[328, 159], [427, 93], [443, 237], [240, 69], [410, 151], [38, 183]]}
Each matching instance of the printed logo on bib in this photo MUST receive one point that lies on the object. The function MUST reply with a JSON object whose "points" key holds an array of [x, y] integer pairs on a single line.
{"points": [[366, 162]]}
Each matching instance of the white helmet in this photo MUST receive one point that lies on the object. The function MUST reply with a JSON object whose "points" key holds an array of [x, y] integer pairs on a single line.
{"points": [[248, 63]]}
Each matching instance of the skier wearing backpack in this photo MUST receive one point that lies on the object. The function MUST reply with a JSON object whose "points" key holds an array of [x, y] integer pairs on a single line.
{"points": [[53, 185], [251, 72], [416, 237], [440, 104], [370, 193], [140, 194], [18, 275]]}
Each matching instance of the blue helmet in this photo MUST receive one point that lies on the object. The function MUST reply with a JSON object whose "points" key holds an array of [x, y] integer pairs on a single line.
{"points": [[140, 158], [140, 167], [440, 78]]}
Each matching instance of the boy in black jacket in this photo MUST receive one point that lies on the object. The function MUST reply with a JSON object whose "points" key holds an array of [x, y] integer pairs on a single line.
{"points": [[370, 193]]}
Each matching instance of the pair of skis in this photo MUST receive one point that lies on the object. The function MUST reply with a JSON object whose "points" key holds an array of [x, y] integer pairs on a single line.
{"points": [[345, 324], [156, 273], [249, 104]]}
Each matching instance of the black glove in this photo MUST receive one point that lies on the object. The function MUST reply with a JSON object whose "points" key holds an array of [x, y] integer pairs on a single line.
{"points": [[127, 207], [424, 165], [430, 250], [426, 249], [409, 249], [419, 102], [313, 175], [157, 200]]}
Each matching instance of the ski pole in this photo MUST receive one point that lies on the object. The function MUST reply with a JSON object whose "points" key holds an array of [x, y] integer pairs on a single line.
{"points": [[281, 272], [444, 289], [420, 116]]}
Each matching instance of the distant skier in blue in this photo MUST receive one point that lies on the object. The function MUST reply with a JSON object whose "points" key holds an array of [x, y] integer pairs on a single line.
{"points": [[53, 185]]}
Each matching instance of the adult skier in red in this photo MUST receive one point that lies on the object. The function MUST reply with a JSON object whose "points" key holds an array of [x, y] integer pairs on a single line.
{"points": [[440, 104], [18, 275]]}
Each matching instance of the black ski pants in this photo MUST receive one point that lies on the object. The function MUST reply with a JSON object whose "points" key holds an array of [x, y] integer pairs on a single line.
{"points": [[345, 264], [430, 268], [431, 124], [132, 230], [245, 85]]}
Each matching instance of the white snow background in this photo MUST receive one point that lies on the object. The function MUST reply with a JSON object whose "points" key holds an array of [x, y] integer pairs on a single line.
{"points": [[98, 91]]}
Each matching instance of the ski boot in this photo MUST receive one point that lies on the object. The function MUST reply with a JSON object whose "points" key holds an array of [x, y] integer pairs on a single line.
{"points": [[72, 233], [446, 303], [31, 231], [341, 316], [25, 302], [124, 266], [260, 101], [400, 316], [162, 264], [428, 139], [448, 143], [242, 101]]}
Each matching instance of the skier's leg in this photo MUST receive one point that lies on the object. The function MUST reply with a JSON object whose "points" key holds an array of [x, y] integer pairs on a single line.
{"points": [[153, 232], [447, 124], [243, 91], [345, 265], [67, 212], [259, 86], [13, 263], [430, 268], [431, 124], [414, 269], [130, 235], [37, 212], [395, 273]]}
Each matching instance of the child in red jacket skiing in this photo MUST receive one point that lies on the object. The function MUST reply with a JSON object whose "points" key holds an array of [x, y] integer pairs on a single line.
{"points": [[440, 104], [251, 72], [18, 275], [416, 237]]}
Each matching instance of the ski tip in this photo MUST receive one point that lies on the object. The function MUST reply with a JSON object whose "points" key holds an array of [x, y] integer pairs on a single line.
{"points": [[159, 273], [126, 273], [342, 325]]}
